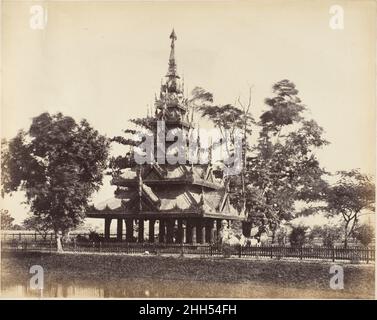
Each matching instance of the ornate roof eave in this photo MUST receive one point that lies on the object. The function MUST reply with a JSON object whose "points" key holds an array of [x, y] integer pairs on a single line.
{"points": [[204, 183], [224, 215], [171, 103], [113, 214], [124, 213], [173, 122], [188, 181]]}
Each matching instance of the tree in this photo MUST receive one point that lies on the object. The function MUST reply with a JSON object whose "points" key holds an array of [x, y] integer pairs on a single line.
{"points": [[38, 224], [58, 163], [281, 235], [230, 120], [18, 227], [297, 237], [6, 220], [364, 233], [328, 234], [349, 196], [282, 167]]}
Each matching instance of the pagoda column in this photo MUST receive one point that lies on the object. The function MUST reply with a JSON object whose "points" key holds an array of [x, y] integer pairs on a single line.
{"points": [[188, 231], [141, 231], [170, 230], [107, 228], [193, 232], [213, 233], [210, 231], [129, 229], [161, 235], [120, 229], [180, 235], [184, 231], [200, 231], [218, 227], [151, 230]]}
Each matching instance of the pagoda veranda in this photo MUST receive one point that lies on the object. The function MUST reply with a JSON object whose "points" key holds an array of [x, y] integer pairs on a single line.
{"points": [[167, 182]]}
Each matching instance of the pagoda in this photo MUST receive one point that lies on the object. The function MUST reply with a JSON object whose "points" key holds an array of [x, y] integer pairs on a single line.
{"points": [[171, 203]]}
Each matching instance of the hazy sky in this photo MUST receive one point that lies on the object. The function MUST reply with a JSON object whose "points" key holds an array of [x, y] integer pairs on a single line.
{"points": [[103, 61]]}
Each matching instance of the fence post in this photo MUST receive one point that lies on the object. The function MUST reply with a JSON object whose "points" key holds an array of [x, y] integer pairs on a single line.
{"points": [[100, 246], [271, 251], [239, 251], [333, 254], [367, 254], [300, 252]]}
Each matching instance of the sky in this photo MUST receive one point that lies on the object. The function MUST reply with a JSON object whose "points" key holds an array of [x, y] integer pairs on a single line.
{"points": [[104, 60]]}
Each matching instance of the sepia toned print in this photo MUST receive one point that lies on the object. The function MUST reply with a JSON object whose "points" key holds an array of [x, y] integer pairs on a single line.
{"points": [[179, 149]]}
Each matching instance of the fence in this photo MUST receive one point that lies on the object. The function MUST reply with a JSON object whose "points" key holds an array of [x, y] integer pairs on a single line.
{"points": [[29, 236], [33, 236], [278, 252]]}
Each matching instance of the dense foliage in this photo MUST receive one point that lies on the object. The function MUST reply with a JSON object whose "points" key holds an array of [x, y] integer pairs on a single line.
{"points": [[58, 163], [349, 196], [281, 168], [297, 237]]}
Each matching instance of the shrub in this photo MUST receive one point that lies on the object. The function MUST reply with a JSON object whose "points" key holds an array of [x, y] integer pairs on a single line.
{"points": [[281, 236], [364, 233], [297, 236], [328, 234], [94, 237]]}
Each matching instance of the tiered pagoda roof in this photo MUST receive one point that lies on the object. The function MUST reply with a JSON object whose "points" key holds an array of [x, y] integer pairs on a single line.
{"points": [[166, 190]]}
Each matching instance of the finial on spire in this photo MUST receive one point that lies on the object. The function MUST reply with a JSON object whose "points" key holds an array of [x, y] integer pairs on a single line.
{"points": [[172, 71], [173, 36]]}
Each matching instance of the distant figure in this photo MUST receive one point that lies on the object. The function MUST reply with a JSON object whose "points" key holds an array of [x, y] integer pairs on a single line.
{"points": [[250, 242], [263, 239], [254, 242], [226, 235]]}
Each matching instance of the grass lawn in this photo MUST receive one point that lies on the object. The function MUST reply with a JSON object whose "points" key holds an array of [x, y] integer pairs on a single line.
{"points": [[125, 276]]}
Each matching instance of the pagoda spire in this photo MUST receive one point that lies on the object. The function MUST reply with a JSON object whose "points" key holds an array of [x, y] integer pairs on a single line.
{"points": [[172, 71]]}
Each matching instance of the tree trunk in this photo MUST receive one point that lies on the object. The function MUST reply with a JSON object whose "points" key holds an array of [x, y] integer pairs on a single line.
{"points": [[353, 225], [346, 234], [273, 236]]}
